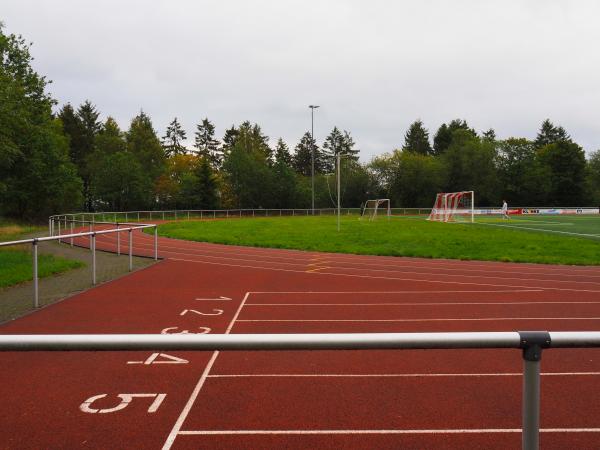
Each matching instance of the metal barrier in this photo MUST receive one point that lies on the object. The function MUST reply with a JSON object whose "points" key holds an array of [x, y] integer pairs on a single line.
{"points": [[92, 234], [188, 214], [531, 343]]}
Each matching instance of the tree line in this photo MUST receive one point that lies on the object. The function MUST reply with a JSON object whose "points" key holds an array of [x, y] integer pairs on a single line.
{"points": [[67, 159]]}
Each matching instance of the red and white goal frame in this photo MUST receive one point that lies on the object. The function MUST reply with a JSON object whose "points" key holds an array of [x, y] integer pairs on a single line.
{"points": [[454, 207]]}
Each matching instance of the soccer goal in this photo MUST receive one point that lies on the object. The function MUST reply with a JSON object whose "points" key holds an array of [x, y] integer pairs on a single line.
{"points": [[454, 207], [373, 208]]}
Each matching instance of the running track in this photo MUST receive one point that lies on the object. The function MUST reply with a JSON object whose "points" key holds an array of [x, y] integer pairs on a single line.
{"points": [[320, 399]]}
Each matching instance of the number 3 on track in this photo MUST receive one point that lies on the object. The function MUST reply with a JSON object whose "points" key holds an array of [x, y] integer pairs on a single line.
{"points": [[126, 399]]}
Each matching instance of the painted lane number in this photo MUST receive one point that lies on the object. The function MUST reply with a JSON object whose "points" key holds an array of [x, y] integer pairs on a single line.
{"points": [[125, 401]]}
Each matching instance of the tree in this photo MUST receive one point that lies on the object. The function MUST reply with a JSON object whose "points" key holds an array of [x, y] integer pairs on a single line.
{"points": [[416, 139], [207, 145], [143, 143], [36, 176], [302, 159], [522, 178], [338, 143], [549, 134], [566, 164], [489, 135], [110, 138], [205, 191], [282, 153], [594, 177], [415, 178], [443, 137], [469, 164], [173, 138]]}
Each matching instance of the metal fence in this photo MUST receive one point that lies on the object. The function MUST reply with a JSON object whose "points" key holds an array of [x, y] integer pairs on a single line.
{"points": [[532, 343], [189, 214], [92, 245]]}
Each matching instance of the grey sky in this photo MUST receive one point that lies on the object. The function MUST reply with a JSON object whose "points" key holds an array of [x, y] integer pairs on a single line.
{"points": [[374, 66]]}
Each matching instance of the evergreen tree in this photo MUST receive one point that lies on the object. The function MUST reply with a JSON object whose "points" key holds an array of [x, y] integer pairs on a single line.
{"points": [[144, 144], [110, 139], [489, 135], [443, 137], [205, 192], [416, 139], [229, 138], [172, 140], [549, 134], [282, 153], [302, 159], [207, 145]]}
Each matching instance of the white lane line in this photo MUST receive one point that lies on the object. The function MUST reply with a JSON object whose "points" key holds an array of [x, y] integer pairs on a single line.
{"points": [[386, 278], [399, 292], [333, 259], [399, 375], [538, 229], [390, 431], [190, 403], [478, 319], [423, 304], [394, 271]]}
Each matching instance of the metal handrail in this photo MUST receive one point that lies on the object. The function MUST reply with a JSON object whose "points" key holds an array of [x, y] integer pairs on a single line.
{"points": [[531, 343], [92, 235]]}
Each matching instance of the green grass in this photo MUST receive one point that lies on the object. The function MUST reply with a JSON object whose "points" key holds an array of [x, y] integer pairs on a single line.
{"points": [[587, 226], [16, 262], [397, 237]]}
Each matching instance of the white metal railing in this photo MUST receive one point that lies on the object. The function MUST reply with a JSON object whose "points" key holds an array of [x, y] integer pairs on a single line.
{"points": [[92, 235], [531, 343]]}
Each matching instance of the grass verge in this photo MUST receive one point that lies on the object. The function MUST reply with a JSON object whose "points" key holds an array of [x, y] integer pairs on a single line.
{"points": [[16, 264], [394, 237]]}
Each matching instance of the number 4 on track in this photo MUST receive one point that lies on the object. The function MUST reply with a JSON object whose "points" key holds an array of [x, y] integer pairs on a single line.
{"points": [[160, 358]]}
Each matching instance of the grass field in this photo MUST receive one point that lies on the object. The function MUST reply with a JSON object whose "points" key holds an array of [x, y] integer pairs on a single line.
{"points": [[490, 239], [16, 262]]}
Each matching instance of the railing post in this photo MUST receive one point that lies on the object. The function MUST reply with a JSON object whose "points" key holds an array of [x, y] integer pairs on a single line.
{"points": [[155, 243], [130, 250], [188, 215], [59, 230], [93, 248], [532, 343], [118, 241], [36, 301], [71, 232]]}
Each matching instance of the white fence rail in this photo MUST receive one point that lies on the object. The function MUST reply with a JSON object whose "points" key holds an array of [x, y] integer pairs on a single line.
{"points": [[531, 343], [70, 236]]}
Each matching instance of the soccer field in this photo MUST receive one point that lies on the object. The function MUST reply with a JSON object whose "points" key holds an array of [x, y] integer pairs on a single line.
{"points": [[587, 226], [552, 240]]}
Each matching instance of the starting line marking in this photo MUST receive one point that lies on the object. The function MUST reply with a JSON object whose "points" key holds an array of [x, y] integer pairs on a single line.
{"points": [[422, 303], [392, 431], [399, 375], [419, 320]]}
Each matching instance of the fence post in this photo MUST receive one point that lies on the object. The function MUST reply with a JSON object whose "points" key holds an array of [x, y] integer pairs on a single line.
{"points": [[155, 243], [130, 250], [532, 343], [59, 230], [36, 302], [118, 241], [71, 233], [93, 248]]}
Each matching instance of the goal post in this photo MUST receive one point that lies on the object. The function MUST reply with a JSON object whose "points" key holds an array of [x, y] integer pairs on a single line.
{"points": [[454, 207], [373, 208]]}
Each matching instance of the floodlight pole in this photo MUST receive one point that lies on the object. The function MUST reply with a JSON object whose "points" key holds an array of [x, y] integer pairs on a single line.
{"points": [[339, 176], [312, 153]]}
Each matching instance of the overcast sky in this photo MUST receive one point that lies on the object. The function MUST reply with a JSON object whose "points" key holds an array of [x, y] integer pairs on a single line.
{"points": [[374, 66]]}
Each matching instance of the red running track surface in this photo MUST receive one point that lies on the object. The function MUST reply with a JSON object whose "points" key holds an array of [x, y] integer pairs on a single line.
{"points": [[319, 399]]}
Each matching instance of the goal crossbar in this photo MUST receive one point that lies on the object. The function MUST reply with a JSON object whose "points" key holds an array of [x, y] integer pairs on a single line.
{"points": [[372, 208]]}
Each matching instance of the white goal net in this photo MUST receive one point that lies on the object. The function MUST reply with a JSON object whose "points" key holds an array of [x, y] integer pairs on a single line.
{"points": [[373, 208], [454, 207]]}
